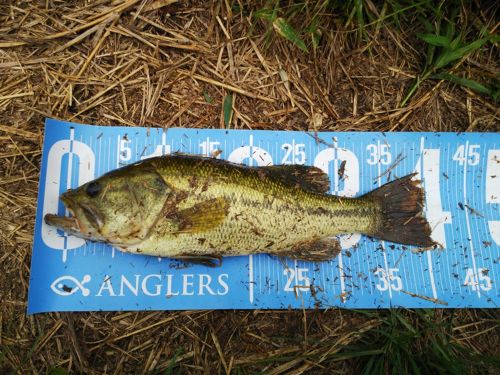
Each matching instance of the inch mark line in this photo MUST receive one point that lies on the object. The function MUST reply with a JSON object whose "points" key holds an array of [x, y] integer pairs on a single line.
{"points": [[336, 190], [429, 255], [469, 234], [68, 185], [250, 257], [250, 277], [384, 253]]}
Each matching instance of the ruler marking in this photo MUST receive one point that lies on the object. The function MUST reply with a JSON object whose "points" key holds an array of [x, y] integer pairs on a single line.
{"points": [[485, 225], [411, 259], [447, 253], [490, 209], [335, 192], [467, 223], [482, 225], [107, 169], [361, 281], [429, 256], [250, 277], [384, 253], [461, 226], [403, 253]]}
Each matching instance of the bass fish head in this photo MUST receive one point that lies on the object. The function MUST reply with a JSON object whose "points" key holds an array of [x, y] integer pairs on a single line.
{"points": [[120, 207]]}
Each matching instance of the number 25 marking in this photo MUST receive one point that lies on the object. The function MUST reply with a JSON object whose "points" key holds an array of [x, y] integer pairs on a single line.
{"points": [[301, 280], [294, 153]]}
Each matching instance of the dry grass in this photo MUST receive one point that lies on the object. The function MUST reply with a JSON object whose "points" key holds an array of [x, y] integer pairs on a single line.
{"points": [[153, 63]]}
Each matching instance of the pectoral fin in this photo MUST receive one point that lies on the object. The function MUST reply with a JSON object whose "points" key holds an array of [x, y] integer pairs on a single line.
{"points": [[303, 176], [317, 250], [202, 216]]}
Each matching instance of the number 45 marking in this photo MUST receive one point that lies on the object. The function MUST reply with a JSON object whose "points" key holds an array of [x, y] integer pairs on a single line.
{"points": [[484, 281], [469, 155]]}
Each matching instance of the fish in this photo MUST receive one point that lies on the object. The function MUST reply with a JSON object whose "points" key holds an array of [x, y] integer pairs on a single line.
{"points": [[200, 209]]}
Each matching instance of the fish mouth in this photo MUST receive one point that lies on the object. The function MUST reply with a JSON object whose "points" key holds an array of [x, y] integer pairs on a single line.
{"points": [[69, 224]]}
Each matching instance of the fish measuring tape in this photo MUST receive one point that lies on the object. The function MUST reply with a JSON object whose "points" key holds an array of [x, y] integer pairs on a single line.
{"points": [[460, 174]]}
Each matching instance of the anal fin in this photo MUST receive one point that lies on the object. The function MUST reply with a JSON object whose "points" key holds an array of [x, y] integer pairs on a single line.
{"points": [[317, 250]]}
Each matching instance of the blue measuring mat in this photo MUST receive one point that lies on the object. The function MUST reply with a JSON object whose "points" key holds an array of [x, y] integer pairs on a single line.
{"points": [[460, 174]]}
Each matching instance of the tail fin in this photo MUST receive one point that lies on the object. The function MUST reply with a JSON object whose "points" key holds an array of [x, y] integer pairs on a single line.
{"points": [[401, 219]]}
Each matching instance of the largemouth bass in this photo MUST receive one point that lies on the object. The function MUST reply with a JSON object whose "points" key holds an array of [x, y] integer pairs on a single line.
{"points": [[200, 209]]}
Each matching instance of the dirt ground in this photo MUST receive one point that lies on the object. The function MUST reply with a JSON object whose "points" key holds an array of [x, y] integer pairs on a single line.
{"points": [[165, 63]]}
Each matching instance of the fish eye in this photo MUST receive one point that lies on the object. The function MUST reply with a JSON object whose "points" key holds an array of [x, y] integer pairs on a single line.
{"points": [[93, 189]]}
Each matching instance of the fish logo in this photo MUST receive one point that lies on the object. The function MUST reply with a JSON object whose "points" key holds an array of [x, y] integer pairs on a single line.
{"points": [[68, 285]]}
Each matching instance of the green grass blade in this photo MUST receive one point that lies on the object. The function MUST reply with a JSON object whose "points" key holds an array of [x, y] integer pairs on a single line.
{"points": [[356, 353], [227, 109], [476, 86], [170, 369], [431, 49], [207, 97], [286, 30], [264, 14], [405, 322], [359, 18], [471, 47], [436, 40], [449, 56], [456, 42], [413, 87], [57, 371]]}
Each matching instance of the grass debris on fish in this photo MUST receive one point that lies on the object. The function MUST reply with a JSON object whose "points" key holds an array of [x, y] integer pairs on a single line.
{"points": [[200, 209]]}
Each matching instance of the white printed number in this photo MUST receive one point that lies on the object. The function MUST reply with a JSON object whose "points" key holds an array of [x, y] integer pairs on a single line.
{"points": [[388, 279], [482, 281], [469, 155], [208, 147], [295, 153], [378, 153], [296, 279], [125, 150]]}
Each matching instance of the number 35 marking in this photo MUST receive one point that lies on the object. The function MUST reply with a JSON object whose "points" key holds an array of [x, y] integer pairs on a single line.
{"points": [[379, 153], [388, 279]]}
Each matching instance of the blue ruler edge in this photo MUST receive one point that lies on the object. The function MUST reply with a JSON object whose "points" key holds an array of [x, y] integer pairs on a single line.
{"points": [[460, 173]]}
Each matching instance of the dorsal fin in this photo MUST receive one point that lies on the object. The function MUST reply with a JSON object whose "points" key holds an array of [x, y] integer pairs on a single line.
{"points": [[301, 176]]}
